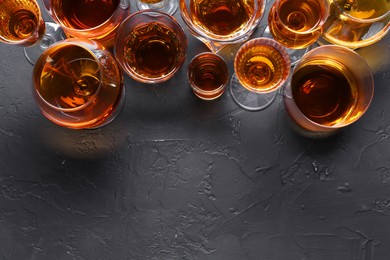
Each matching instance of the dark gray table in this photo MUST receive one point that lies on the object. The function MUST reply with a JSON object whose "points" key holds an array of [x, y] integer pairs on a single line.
{"points": [[174, 177]]}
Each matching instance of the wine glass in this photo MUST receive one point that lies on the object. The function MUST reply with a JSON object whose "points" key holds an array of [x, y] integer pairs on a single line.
{"points": [[331, 87], [78, 84], [356, 23], [221, 22], [97, 20], [21, 24], [166, 6], [261, 66], [150, 46], [208, 75], [297, 24]]}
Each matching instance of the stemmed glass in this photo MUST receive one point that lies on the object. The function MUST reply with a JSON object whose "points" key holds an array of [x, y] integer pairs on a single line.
{"points": [[331, 87], [356, 24], [95, 20], [78, 84], [166, 6], [297, 24], [21, 24], [261, 67], [150, 46], [221, 22]]}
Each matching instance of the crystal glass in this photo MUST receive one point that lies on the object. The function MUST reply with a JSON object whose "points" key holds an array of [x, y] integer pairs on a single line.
{"points": [[166, 6], [97, 20], [297, 24], [150, 46], [357, 23], [331, 87], [261, 67], [78, 84], [21, 24], [208, 75], [221, 22]]}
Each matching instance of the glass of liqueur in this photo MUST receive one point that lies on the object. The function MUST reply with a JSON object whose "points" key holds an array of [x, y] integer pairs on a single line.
{"points": [[97, 20], [208, 75], [331, 87], [357, 23], [166, 6], [150, 46], [21, 24], [261, 67], [297, 24], [220, 22], [78, 84]]}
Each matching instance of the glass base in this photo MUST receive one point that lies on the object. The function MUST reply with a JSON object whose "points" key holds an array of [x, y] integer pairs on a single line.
{"points": [[248, 100], [166, 6], [53, 33]]}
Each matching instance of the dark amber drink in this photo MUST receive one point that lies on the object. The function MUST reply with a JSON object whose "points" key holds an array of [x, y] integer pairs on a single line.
{"points": [[208, 75], [96, 20], [151, 46], [331, 87]]}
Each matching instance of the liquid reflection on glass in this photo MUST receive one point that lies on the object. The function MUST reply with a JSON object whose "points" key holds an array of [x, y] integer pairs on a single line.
{"points": [[97, 20], [21, 24], [151, 46], [166, 6], [221, 22], [331, 87], [357, 23], [208, 75], [78, 84], [297, 24], [261, 67]]}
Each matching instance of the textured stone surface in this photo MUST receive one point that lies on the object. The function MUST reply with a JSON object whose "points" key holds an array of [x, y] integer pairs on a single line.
{"points": [[174, 177]]}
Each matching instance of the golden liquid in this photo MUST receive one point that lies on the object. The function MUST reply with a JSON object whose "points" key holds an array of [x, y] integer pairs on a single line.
{"points": [[70, 78], [153, 50], [260, 68], [20, 20], [84, 14], [294, 18], [352, 33], [221, 17], [364, 9], [208, 74], [324, 93]]}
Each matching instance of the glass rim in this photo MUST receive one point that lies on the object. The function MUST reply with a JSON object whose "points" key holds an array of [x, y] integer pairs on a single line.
{"points": [[220, 87], [71, 42], [276, 46], [370, 75], [318, 26]]}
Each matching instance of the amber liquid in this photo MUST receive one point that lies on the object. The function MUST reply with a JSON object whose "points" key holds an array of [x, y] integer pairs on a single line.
{"points": [[208, 75], [221, 17], [84, 14], [295, 17], [260, 68], [152, 50], [71, 81], [20, 20], [151, 1], [324, 93]]}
